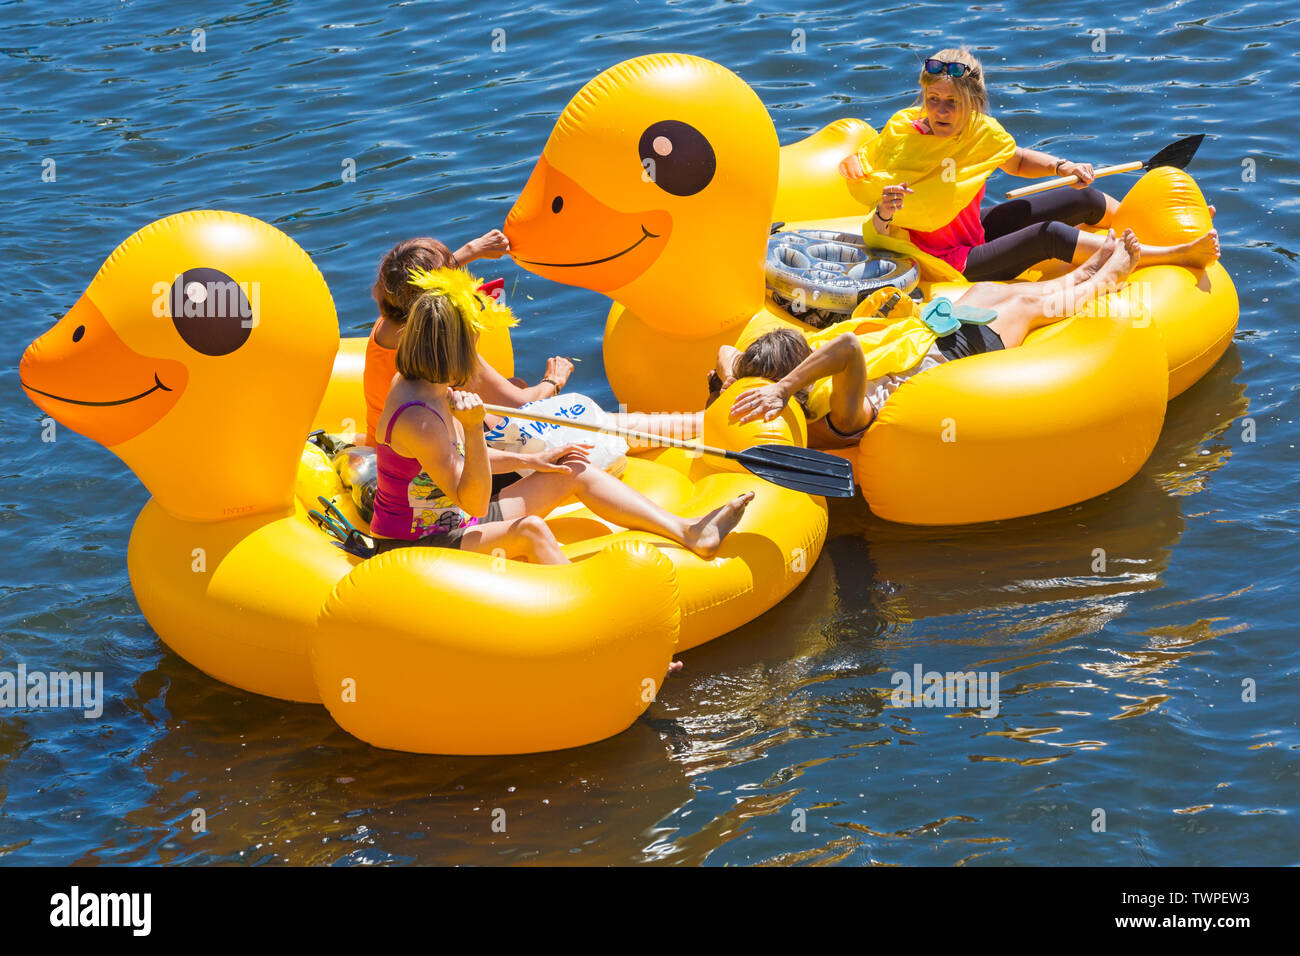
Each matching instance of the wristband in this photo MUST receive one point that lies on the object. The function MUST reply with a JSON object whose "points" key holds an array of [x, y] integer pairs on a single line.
{"points": [[1057, 169], [554, 383], [882, 218]]}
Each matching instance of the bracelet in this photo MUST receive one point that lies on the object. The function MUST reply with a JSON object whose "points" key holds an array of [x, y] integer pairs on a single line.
{"points": [[882, 218], [554, 383], [1057, 168]]}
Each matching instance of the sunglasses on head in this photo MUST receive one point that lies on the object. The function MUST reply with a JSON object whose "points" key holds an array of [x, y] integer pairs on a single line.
{"points": [[955, 70]]}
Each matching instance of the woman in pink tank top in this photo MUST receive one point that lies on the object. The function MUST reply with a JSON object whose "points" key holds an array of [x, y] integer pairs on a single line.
{"points": [[435, 468]]}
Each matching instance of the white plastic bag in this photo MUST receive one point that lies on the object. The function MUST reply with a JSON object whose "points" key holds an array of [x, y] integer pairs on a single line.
{"points": [[524, 436]]}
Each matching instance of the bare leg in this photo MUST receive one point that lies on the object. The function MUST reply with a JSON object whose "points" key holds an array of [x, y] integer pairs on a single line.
{"points": [[1112, 204], [1021, 315], [616, 502], [527, 537], [989, 295], [1196, 254]]}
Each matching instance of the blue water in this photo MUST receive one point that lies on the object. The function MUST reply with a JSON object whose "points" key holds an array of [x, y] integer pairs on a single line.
{"points": [[1121, 691]]}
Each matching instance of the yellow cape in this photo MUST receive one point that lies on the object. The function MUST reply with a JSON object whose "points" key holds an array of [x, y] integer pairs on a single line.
{"points": [[892, 343], [944, 172]]}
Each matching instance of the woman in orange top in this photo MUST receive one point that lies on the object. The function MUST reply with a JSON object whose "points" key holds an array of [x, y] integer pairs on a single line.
{"points": [[394, 295], [1012, 236]]}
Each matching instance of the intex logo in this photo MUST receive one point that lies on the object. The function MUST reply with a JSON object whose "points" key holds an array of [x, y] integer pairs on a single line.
{"points": [[102, 909]]}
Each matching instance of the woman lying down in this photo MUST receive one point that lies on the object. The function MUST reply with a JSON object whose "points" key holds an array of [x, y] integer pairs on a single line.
{"points": [[1002, 316]]}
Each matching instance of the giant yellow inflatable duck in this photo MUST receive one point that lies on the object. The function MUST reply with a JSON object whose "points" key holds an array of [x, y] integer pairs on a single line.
{"points": [[208, 325], [658, 186]]}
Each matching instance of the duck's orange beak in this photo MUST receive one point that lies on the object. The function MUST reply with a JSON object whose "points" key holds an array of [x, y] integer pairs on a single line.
{"points": [[559, 230], [87, 378]]}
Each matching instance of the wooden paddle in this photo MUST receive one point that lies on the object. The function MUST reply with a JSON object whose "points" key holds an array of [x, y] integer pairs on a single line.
{"points": [[1177, 154], [801, 469]]}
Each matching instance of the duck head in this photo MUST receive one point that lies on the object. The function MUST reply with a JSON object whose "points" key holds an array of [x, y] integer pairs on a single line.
{"points": [[197, 354], [656, 187]]}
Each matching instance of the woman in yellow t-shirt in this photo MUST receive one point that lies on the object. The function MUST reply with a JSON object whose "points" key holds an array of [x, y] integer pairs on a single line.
{"points": [[925, 173]]}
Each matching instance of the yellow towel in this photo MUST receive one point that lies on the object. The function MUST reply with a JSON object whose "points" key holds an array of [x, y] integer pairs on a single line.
{"points": [[891, 344]]}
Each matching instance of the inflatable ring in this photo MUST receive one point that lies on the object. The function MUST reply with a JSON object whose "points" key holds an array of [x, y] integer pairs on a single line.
{"points": [[822, 275], [1072, 414], [420, 649]]}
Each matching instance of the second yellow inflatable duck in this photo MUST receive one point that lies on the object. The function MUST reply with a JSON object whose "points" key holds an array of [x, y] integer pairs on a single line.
{"points": [[658, 187]]}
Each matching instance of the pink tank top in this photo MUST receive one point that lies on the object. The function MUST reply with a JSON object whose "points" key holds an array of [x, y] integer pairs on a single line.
{"points": [[408, 505]]}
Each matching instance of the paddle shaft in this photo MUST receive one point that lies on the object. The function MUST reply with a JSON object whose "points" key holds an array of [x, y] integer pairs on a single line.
{"points": [[644, 437], [810, 476], [1070, 180]]}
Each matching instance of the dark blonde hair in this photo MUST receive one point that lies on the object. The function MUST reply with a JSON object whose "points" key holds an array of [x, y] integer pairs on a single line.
{"points": [[438, 344], [392, 291], [969, 88], [773, 356]]}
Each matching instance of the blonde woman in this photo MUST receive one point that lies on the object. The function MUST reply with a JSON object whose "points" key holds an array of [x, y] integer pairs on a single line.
{"points": [[949, 141]]}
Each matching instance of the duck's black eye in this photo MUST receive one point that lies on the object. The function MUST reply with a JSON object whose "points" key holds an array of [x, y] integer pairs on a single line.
{"points": [[78, 332], [211, 311], [677, 157], [557, 204]]}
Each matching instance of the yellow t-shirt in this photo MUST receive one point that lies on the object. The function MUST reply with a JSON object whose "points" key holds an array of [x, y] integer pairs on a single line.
{"points": [[944, 172]]}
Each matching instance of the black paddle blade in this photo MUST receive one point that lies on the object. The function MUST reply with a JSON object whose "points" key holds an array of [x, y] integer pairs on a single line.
{"points": [[797, 458], [802, 481], [1177, 154], [800, 469]]}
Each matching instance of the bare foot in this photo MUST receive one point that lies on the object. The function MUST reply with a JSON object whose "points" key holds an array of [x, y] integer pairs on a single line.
{"points": [[1133, 246], [1090, 266], [674, 667], [1121, 263], [1211, 208], [704, 537], [1201, 252]]}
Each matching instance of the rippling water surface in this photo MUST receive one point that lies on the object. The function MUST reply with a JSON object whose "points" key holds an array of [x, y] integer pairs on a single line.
{"points": [[1121, 690]]}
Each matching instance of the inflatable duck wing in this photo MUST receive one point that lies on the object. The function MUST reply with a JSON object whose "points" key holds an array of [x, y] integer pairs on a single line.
{"points": [[673, 161]]}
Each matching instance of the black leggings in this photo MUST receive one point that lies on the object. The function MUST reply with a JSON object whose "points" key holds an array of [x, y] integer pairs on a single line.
{"points": [[1021, 232]]}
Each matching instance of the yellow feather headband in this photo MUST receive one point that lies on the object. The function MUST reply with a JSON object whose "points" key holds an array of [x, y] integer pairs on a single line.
{"points": [[483, 311]]}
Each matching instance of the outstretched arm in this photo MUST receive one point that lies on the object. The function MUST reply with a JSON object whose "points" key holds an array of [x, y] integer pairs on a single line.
{"points": [[496, 388], [493, 244], [1033, 164]]}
